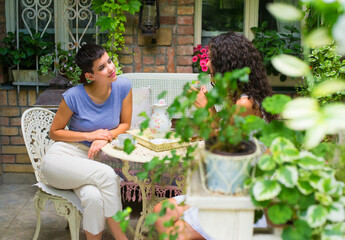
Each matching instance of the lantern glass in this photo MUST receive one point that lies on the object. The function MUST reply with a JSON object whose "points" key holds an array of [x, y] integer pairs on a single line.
{"points": [[149, 16]]}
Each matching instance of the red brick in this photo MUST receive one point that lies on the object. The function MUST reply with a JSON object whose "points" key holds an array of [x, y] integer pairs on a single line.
{"points": [[128, 39], [137, 59], [185, 10], [167, 10], [148, 60], [185, 20], [181, 60], [171, 59], [167, 1], [12, 97], [4, 140], [150, 50], [149, 69], [185, 30], [127, 69], [163, 50], [181, 40], [184, 2], [9, 111], [167, 20], [3, 97], [184, 69], [32, 97], [23, 97], [160, 69], [17, 140], [4, 121], [185, 50], [8, 158], [9, 131], [160, 60], [15, 121]]}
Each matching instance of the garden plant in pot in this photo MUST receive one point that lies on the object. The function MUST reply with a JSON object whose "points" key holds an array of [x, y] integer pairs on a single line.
{"points": [[296, 182], [31, 47]]}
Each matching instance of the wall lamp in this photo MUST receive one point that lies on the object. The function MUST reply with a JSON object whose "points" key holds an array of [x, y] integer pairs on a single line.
{"points": [[149, 17]]}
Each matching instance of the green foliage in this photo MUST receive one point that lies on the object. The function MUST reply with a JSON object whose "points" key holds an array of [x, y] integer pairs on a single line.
{"points": [[325, 64], [271, 43], [61, 62], [112, 19], [295, 183], [123, 218], [30, 47]]}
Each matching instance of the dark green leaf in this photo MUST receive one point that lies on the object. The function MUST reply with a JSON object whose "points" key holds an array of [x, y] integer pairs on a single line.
{"points": [[279, 213]]}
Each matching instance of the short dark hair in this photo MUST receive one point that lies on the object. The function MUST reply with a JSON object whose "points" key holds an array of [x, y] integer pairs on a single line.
{"points": [[86, 56]]}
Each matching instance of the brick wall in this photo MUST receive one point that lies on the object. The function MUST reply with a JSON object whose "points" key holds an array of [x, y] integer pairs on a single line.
{"points": [[172, 53], [13, 151], [173, 49]]}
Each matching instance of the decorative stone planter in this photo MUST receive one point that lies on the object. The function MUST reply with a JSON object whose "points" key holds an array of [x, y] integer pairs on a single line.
{"points": [[30, 76], [221, 216]]}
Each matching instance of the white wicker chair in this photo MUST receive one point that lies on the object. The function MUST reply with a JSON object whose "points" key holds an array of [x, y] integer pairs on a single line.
{"points": [[35, 124]]}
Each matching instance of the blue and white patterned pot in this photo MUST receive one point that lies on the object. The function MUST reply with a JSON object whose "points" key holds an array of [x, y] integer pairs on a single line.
{"points": [[227, 173]]}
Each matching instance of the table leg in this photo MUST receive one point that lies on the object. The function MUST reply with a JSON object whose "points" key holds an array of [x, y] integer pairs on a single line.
{"points": [[145, 187]]}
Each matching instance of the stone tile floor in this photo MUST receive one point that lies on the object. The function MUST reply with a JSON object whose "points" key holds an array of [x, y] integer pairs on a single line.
{"points": [[18, 218]]}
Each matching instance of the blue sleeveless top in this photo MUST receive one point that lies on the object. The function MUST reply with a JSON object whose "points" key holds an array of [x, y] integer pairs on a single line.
{"points": [[89, 116]]}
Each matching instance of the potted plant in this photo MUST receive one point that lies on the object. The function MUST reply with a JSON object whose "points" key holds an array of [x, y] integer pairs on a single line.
{"points": [[30, 48], [271, 43], [61, 62]]}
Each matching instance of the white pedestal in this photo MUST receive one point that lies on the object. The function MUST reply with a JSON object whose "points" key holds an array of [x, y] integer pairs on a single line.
{"points": [[221, 216], [224, 217]]}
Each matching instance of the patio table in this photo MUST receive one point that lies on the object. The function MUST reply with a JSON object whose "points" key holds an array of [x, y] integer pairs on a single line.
{"points": [[141, 155]]}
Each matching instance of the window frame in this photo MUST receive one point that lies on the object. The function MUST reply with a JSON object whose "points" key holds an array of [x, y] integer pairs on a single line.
{"points": [[251, 17]]}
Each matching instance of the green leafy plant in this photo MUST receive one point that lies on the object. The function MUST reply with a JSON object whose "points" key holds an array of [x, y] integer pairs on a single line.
{"points": [[61, 62], [30, 47], [325, 64], [271, 43], [112, 19], [298, 188], [297, 179]]}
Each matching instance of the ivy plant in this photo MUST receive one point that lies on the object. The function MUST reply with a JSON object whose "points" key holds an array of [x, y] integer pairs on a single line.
{"points": [[112, 19]]}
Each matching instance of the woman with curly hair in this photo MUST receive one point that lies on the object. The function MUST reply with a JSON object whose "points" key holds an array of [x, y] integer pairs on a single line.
{"points": [[227, 52]]}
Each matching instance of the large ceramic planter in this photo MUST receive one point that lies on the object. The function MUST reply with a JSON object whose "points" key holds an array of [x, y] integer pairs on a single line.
{"points": [[227, 173]]}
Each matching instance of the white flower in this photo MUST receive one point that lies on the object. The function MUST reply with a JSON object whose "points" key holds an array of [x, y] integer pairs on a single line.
{"points": [[338, 34]]}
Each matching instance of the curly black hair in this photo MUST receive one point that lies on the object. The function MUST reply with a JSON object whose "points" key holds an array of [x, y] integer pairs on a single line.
{"points": [[229, 51]]}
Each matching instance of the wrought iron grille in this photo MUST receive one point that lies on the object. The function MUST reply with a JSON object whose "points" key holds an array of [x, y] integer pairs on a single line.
{"points": [[71, 23]]}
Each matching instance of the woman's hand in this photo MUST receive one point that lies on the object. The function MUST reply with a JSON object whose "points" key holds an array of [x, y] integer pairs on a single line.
{"points": [[100, 134], [95, 147], [201, 100]]}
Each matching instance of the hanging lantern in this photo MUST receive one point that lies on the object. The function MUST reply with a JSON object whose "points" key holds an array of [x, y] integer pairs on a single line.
{"points": [[149, 17]]}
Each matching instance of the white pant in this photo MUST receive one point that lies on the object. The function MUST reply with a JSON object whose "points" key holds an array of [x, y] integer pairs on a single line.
{"points": [[66, 166]]}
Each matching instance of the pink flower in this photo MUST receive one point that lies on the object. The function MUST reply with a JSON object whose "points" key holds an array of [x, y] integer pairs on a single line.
{"points": [[203, 50], [205, 55], [203, 63], [199, 55], [207, 59], [204, 68], [199, 47], [195, 58]]}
